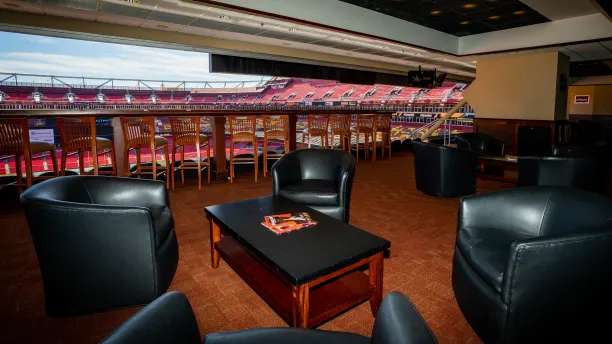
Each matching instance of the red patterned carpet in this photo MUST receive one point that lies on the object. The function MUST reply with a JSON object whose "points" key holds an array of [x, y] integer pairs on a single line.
{"points": [[385, 202]]}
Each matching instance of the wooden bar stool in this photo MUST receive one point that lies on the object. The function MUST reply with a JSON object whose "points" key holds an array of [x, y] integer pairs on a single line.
{"points": [[139, 133], [383, 129], [242, 130], [78, 134], [340, 126], [186, 131], [276, 128], [317, 126], [365, 127], [15, 141]]}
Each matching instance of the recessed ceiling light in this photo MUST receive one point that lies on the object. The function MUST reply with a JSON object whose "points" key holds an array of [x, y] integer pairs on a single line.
{"points": [[518, 13], [493, 17], [469, 5], [435, 12], [465, 22]]}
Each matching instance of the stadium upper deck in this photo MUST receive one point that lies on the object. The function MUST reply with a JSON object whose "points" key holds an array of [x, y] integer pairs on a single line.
{"points": [[16, 93]]}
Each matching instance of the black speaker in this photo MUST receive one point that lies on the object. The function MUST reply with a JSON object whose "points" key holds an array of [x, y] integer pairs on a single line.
{"points": [[533, 140]]}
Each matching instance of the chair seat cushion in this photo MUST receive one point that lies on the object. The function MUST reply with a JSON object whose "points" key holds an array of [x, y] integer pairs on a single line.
{"points": [[40, 147], [487, 250], [284, 335], [160, 141], [311, 191]]}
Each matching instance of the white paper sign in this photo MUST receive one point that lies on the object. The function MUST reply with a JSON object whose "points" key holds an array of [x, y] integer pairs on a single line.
{"points": [[42, 135]]}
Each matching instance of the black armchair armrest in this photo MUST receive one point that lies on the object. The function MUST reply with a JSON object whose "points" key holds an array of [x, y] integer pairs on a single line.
{"points": [[285, 171], [168, 319], [558, 283], [399, 322]]}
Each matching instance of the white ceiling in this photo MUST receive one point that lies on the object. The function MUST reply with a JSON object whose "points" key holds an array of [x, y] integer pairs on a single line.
{"points": [[398, 45]]}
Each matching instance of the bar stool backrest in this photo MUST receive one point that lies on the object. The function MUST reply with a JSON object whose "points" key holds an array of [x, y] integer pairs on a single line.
{"points": [[76, 133], [365, 122], [383, 123], [318, 122], [185, 130], [13, 134], [276, 127], [138, 131], [242, 129], [340, 123]]}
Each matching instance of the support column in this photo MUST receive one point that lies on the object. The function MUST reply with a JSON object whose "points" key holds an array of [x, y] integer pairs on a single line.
{"points": [[122, 165], [292, 131]]}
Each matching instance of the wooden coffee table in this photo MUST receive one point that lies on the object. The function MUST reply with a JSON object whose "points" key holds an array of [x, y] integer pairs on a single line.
{"points": [[308, 276]]}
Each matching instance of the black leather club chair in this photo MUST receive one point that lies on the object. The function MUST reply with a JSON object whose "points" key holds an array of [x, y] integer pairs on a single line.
{"points": [[483, 144], [170, 319], [583, 172], [444, 171], [319, 178], [101, 242], [534, 265]]}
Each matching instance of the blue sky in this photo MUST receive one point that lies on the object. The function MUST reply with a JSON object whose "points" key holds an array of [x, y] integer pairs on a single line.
{"points": [[21, 53]]}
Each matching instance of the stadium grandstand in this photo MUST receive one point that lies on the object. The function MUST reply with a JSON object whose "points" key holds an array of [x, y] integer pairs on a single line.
{"points": [[413, 108]]}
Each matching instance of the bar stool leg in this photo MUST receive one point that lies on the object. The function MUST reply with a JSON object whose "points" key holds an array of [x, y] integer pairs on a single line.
{"points": [[173, 163], [54, 162], [138, 167], [182, 165], [126, 159], [265, 157], [154, 161], [208, 160], [255, 158], [199, 163], [167, 162]]}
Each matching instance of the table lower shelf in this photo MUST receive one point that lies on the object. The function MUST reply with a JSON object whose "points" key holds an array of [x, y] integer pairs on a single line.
{"points": [[326, 300]]}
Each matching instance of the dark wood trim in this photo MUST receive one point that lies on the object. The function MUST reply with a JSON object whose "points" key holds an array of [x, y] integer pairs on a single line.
{"points": [[506, 129]]}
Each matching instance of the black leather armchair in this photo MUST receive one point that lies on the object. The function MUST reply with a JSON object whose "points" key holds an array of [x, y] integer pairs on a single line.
{"points": [[444, 171], [319, 178], [483, 144], [101, 242], [170, 319], [587, 172], [534, 265]]}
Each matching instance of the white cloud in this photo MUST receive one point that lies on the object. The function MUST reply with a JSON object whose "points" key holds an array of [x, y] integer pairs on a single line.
{"points": [[114, 61]]}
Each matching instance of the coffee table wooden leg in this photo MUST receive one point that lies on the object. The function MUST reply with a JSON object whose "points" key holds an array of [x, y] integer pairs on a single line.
{"points": [[301, 304], [215, 236], [376, 281]]}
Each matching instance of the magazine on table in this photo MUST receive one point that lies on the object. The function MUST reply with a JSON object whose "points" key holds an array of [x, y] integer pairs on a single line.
{"points": [[288, 222]]}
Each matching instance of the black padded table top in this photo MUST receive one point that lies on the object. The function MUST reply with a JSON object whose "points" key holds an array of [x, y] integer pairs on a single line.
{"points": [[302, 255]]}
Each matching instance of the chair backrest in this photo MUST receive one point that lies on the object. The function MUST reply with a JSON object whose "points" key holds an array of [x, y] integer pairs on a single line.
{"points": [[399, 322], [587, 172], [538, 211], [340, 123], [383, 123], [76, 132], [276, 127], [138, 131], [318, 122], [13, 134], [168, 319], [242, 128], [365, 122], [185, 130]]}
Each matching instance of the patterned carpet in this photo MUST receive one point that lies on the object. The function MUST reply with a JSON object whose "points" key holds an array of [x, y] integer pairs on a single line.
{"points": [[385, 202]]}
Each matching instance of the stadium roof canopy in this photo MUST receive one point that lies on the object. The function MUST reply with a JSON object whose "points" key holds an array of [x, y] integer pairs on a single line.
{"points": [[390, 36]]}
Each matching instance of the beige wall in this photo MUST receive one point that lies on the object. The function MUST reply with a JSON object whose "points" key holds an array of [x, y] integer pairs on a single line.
{"points": [[600, 102], [519, 86]]}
